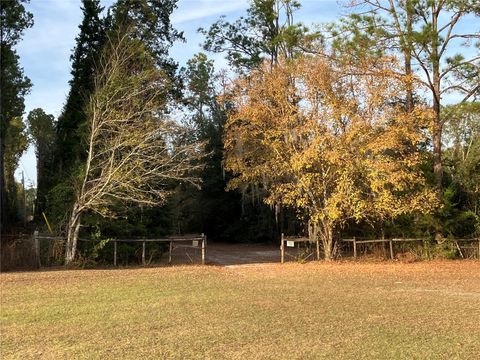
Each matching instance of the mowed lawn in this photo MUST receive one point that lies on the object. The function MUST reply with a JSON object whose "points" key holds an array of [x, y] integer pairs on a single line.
{"points": [[346, 310]]}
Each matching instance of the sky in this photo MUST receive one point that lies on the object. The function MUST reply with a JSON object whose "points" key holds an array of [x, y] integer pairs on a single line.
{"points": [[46, 47]]}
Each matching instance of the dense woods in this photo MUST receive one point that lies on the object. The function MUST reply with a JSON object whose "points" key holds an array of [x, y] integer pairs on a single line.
{"points": [[369, 126], [14, 86]]}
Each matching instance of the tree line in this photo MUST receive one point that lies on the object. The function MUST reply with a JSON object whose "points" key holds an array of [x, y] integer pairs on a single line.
{"points": [[368, 126]]}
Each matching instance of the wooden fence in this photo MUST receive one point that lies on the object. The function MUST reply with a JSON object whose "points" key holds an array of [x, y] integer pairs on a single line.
{"points": [[193, 241], [17, 252], [475, 244], [292, 241], [356, 242]]}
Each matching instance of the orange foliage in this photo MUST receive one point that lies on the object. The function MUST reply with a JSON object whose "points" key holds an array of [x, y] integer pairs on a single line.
{"points": [[330, 139]]}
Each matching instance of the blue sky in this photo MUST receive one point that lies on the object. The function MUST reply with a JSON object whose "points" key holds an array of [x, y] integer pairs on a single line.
{"points": [[46, 47]]}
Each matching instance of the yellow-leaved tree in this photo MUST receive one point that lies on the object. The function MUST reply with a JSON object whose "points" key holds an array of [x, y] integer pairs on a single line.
{"points": [[329, 139]]}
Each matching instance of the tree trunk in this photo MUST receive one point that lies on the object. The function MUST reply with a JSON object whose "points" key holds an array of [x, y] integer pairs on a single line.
{"points": [[437, 125], [72, 235], [327, 240], [408, 55], [40, 199], [437, 168], [3, 190], [437, 150], [312, 231], [3, 130]]}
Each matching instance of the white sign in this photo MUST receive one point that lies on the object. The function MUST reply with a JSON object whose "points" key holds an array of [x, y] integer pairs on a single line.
{"points": [[195, 242], [290, 243]]}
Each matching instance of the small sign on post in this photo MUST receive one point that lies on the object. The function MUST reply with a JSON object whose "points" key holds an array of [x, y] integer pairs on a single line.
{"points": [[290, 243], [195, 243]]}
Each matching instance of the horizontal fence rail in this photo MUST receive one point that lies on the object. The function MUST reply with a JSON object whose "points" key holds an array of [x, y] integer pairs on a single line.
{"points": [[292, 241], [198, 241], [356, 242]]}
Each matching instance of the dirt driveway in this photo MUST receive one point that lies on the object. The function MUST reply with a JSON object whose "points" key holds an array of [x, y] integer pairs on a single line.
{"points": [[241, 254], [228, 254]]}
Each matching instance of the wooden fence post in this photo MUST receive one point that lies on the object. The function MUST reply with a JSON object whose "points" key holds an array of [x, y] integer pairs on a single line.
{"points": [[391, 249], [170, 253], [354, 248], [318, 250], [36, 247], [204, 239], [143, 253], [114, 253], [282, 249]]}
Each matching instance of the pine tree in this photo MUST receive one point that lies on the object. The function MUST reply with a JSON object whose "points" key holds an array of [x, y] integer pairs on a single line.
{"points": [[71, 123], [436, 43], [149, 22], [211, 209], [267, 32]]}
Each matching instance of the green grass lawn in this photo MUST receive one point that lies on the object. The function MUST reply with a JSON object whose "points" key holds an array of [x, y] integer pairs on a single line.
{"points": [[428, 310]]}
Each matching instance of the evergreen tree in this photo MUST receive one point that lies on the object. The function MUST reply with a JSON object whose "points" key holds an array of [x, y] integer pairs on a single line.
{"points": [[460, 216], [14, 85], [222, 215], [149, 22], [41, 128], [152, 24], [70, 125], [211, 209], [267, 32]]}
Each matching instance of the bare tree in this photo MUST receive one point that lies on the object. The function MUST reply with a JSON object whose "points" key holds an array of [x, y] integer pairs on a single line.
{"points": [[134, 151]]}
